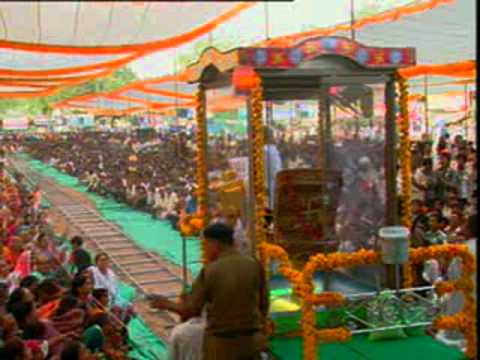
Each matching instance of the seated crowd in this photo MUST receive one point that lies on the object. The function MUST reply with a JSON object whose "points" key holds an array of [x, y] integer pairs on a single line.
{"points": [[54, 302], [133, 169]]}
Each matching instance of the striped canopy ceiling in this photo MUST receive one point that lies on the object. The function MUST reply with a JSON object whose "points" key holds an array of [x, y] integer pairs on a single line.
{"points": [[45, 46]]}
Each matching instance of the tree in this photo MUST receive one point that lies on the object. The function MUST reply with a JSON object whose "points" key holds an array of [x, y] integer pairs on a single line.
{"points": [[43, 105]]}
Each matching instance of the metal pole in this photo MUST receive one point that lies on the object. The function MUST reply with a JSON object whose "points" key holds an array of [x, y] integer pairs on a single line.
{"points": [[391, 206], [184, 262], [210, 39], [268, 133], [391, 216], [352, 19], [425, 95], [466, 112], [328, 128], [267, 21], [175, 69], [321, 130]]}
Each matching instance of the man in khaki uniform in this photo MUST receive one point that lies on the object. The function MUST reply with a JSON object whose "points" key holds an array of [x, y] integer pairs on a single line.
{"points": [[232, 287]]}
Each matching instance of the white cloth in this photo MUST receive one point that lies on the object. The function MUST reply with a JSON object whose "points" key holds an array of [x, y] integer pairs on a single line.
{"points": [[455, 301], [273, 164], [186, 340], [105, 281], [421, 179], [240, 239]]}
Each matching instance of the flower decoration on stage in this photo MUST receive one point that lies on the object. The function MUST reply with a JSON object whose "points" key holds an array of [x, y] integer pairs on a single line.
{"points": [[405, 159], [192, 224], [196, 224], [256, 109], [245, 78], [334, 335], [302, 282], [463, 321]]}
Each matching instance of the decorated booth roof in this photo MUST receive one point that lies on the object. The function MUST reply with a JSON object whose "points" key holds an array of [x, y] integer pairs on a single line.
{"points": [[47, 45], [293, 56]]}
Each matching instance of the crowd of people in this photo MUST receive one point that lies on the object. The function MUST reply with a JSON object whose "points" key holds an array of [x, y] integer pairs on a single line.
{"points": [[444, 191], [55, 302], [154, 172], [149, 171]]}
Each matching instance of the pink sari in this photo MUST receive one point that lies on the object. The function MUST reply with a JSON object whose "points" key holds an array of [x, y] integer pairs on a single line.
{"points": [[24, 264]]}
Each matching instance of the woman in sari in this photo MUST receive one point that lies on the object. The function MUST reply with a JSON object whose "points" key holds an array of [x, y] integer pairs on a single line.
{"points": [[48, 298], [81, 289], [102, 337], [68, 317], [35, 328]]}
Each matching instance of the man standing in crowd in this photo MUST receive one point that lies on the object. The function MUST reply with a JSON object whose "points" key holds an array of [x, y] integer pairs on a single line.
{"points": [[233, 289], [80, 257]]}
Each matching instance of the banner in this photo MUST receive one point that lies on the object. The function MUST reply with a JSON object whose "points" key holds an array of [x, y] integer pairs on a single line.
{"points": [[15, 123]]}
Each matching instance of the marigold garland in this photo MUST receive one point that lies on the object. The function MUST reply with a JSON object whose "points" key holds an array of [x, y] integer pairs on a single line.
{"points": [[463, 321], [201, 174], [405, 159], [334, 335], [302, 281], [258, 142], [303, 287]]}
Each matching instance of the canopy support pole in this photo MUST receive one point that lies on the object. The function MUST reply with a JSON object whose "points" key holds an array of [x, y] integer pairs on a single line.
{"points": [[425, 95], [391, 206], [251, 180]]}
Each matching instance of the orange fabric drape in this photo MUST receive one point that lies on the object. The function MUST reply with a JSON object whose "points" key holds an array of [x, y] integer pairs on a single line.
{"points": [[139, 86], [447, 83], [140, 49], [130, 52], [387, 16], [71, 70], [459, 69]]}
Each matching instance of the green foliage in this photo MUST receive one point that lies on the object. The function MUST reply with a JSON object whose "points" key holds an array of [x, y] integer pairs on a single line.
{"points": [[42, 106]]}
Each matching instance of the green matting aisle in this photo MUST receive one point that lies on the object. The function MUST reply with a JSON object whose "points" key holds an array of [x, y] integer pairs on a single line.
{"points": [[157, 236]]}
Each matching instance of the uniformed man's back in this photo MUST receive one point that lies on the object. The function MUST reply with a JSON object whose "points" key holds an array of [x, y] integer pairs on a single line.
{"points": [[232, 286]]}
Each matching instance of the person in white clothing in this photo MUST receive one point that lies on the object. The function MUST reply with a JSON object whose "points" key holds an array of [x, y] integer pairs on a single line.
{"points": [[273, 164], [186, 339], [104, 277]]}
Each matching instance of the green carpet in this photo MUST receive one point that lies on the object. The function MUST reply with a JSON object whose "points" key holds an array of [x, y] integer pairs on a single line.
{"points": [[146, 345], [414, 348]]}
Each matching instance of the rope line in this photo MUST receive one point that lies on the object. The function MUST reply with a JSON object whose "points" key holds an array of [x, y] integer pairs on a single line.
{"points": [[109, 23], [39, 22], [75, 24], [4, 25], [146, 9]]}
